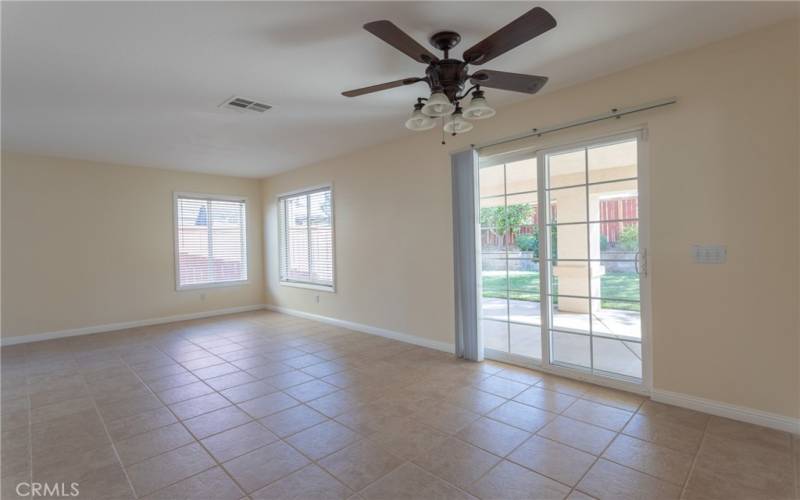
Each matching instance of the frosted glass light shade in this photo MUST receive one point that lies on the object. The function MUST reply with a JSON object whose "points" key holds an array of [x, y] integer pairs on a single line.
{"points": [[438, 105], [419, 121], [478, 109], [457, 125]]}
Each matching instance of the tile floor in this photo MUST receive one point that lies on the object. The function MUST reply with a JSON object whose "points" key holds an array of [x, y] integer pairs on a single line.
{"points": [[263, 405]]}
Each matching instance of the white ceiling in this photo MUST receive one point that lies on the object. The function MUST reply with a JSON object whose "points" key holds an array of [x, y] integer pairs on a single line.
{"points": [[140, 82]]}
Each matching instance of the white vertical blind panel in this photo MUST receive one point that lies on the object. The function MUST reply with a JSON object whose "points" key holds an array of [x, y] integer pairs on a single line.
{"points": [[212, 241], [306, 230]]}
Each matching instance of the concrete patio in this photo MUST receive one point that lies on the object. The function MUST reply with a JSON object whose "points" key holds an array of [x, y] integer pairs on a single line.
{"points": [[621, 355]]}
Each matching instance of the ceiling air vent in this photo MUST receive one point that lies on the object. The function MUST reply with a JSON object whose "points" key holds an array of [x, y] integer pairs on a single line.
{"points": [[244, 104]]}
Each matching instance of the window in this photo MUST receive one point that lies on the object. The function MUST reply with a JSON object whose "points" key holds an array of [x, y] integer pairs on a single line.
{"points": [[305, 221], [210, 240]]}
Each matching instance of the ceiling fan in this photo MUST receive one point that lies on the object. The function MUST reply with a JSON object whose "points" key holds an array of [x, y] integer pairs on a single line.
{"points": [[447, 77]]}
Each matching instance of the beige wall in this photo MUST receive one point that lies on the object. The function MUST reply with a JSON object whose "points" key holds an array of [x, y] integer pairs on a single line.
{"points": [[88, 244], [723, 169]]}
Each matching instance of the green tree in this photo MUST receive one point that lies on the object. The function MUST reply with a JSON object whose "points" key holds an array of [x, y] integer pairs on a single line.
{"points": [[506, 220]]}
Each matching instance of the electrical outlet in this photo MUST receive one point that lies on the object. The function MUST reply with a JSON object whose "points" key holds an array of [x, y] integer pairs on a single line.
{"points": [[316, 298], [709, 254]]}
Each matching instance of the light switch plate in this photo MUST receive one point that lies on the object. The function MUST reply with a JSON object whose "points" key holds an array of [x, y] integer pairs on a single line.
{"points": [[709, 254]]}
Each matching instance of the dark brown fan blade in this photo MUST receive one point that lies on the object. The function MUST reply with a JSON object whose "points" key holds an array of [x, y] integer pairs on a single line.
{"points": [[526, 27], [397, 38], [508, 81], [382, 86]]}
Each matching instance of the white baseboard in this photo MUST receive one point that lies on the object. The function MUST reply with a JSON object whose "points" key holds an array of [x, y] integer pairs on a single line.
{"points": [[87, 330], [373, 330], [734, 412]]}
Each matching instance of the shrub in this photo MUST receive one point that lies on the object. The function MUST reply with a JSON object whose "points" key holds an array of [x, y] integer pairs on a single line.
{"points": [[629, 238], [529, 242]]}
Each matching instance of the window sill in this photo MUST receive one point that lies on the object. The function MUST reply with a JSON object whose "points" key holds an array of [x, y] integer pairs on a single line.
{"points": [[200, 286], [309, 286]]}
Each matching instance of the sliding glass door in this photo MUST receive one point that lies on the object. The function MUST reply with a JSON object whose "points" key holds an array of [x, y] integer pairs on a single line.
{"points": [[562, 287], [511, 318]]}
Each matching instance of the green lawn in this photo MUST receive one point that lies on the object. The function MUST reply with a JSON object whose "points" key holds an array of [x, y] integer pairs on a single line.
{"points": [[524, 285]]}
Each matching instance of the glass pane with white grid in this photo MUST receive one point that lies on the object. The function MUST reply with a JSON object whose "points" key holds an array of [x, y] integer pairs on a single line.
{"points": [[306, 238], [594, 304], [211, 240]]}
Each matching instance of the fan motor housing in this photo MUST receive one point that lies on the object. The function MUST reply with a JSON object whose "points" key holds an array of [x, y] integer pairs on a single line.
{"points": [[448, 75]]}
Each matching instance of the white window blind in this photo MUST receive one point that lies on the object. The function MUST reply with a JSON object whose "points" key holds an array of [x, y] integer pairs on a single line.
{"points": [[210, 240], [306, 238]]}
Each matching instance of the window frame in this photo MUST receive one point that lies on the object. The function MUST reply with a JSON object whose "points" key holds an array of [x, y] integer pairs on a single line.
{"points": [[282, 237], [176, 195]]}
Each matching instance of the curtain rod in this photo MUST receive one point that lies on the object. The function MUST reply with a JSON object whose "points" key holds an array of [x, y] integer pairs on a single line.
{"points": [[614, 113]]}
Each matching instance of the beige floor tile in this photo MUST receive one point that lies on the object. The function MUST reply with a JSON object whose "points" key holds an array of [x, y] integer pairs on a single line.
{"points": [[234, 379], [410, 482], [611, 397], [410, 403], [184, 392], [212, 484], [125, 407], [727, 469], [171, 467], [474, 400], [107, 483], [607, 480], [522, 375], [665, 433], [522, 416], [270, 369], [73, 465], [502, 387], [215, 371], [200, 363], [408, 438], [579, 495], [445, 417], [509, 481], [564, 385], [152, 443], [457, 462], [265, 465], [291, 421], [336, 403], [551, 401], [659, 461], [324, 369], [238, 441], [58, 439], [311, 390], [309, 483], [248, 391], [288, 379], [750, 434], [269, 404], [249, 362], [552, 459], [181, 379], [577, 434], [597, 414], [127, 427], [660, 412], [198, 406], [216, 421], [360, 464], [493, 436], [323, 439]]}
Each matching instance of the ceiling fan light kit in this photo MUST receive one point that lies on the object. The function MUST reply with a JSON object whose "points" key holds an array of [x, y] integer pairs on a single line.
{"points": [[419, 121], [447, 77]]}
